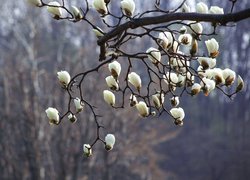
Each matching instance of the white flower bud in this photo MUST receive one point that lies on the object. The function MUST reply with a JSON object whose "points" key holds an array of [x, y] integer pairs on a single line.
{"points": [[201, 8], [128, 7], [207, 85], [109, 142], [135, 80], [87, 150], [185, 39], [212, 47], [186, 8], [115, 69], [100, 6], [53, 115], [64, 78], [35, 2], [154, 55], [158, 100], [98, 32], [206, 62], [175, 101], [216, 10], [229, 76], [240, 84], [218, 76], [56, 11], [72, 118], [171, 78], [142, 108], [111, 82], [165, 39], [196, 88], [196, 27], [177, 113], [132, 100], [77, 13], [109, 97], [78, 104]]}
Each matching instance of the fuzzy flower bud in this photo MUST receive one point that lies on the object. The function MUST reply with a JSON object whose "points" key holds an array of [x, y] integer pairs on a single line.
{"points": [[196, 88], [100, 6], [175, 101], [196, 27], [132, 100], [87, 150], [240, 84], [115, 69], [154, 55], [171, 78], [72, 118], [135, 80], [165, 39], [128, 7], [185, 39], [212, 47], [53, 115], [158, 100], [178, 114], [216, 10], [64, 78], [229, 76], [201, 8], [109, 142], [206, 62], [55, 9], [35, 2], [142, 108], [109, 97], [207, 85], [77, 13], [186, 8], [78, 104], [111, 82]]}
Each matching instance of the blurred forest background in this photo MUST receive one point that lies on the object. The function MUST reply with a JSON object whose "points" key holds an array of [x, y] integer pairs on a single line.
{"points": [[213, 144]]}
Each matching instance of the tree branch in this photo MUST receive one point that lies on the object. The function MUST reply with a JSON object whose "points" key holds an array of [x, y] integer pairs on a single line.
{"points": [[222, 19]]}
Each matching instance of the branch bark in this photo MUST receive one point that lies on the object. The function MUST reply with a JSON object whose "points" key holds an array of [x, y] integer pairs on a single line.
{"points": [[222, 19]]}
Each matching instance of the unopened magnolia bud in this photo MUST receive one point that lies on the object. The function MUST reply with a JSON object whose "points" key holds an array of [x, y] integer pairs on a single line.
{"points": [[229, 76], [35, 2], [212, 47], [165, 39], [135, 80], [111, 82], [171, 78], [64, 78], [142, 108], [174, 101], [53, 116], [100, 6], [72, 118], [109, 97], [207, 85], [186, 8], [154, 55], [78, 104], [55, 9], [206, 62], [77, 13], [197, 28], [132, 100], [185, 39], [194, 48], [240, 84], [218, 76], [128, 7], [201, 8], [158, 100], [177, 113], [109, 142], [87, 150], [196, 88], [216, 10], [115, 69]]}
